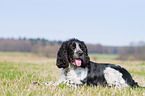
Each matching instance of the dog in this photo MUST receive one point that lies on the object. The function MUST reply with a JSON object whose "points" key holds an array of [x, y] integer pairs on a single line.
{"points": [[77, 69]]}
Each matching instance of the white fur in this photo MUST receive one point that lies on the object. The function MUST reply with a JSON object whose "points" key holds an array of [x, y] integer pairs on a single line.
{"points": [[73, 75], [114, 77], [77, 48]]}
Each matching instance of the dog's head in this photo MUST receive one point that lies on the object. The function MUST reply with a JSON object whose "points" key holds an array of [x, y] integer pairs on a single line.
{"points": [[72, 52]]}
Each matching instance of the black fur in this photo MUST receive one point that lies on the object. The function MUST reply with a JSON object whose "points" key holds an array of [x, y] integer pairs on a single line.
{"points": [[95, 74], [65, 54]]}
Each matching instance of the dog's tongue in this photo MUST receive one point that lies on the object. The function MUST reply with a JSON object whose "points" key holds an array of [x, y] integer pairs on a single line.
{"points": [[78, 62]]}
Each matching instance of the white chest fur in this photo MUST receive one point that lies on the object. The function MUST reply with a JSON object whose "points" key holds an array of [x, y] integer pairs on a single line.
{"points": [[74, 75]]}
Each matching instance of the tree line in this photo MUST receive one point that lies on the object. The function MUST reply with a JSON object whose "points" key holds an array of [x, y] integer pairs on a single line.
{"points": [[136, 51], [41, 46], [44, 47], [37, 46]]}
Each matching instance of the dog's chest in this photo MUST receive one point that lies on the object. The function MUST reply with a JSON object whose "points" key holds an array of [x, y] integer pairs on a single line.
{"points": [[75, 75]]}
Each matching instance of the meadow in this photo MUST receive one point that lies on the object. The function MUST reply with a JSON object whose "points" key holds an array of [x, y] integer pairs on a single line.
{"points": [[18, 71]]}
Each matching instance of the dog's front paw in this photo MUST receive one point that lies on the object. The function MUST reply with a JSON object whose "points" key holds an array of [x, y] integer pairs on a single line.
{"points": [[49, 83], [36, 83]]}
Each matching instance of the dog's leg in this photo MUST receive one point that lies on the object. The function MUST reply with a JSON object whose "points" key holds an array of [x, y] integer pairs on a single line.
{"points": [[48, 83], [61, 80]]}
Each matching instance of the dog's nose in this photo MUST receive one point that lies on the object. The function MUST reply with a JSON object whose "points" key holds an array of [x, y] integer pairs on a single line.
{"points": [[80, 53]]}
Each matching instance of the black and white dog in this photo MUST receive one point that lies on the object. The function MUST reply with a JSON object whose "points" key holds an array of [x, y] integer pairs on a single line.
{"points": [[77, 69]]}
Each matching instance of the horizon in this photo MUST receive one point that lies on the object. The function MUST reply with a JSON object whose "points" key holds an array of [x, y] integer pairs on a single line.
{"points": [[25, 38]]}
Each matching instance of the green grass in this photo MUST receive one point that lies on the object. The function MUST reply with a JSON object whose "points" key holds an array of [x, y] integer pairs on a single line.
{"points": [[103, 56], [17, 77], [14, 53]]}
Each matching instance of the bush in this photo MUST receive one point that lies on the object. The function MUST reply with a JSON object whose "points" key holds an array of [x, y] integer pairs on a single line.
{"points": [[132, 53]]}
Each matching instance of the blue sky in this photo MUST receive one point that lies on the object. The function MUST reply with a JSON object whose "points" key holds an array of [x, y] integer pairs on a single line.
{"points": [[109, 22]]}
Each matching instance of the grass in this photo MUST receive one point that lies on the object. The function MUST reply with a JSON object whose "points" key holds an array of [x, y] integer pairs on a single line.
{"points": [[103, 56], [18, 72], [14, 53]]}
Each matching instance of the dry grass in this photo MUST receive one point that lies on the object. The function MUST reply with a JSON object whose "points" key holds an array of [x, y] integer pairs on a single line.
{"points": [[17, 74]]}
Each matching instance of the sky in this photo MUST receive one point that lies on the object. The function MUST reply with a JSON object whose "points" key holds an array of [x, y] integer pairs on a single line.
{"points": [[108, 22]]}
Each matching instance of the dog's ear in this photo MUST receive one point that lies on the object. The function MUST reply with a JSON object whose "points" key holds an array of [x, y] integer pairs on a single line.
{"points": [[62, 58], [86, 58]]}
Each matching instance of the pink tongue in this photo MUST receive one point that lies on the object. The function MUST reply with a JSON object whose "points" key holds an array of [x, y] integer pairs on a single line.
{"points": [[78, 62]]}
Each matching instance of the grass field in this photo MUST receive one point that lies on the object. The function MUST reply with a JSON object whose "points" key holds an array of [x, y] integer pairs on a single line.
{"points": [[18, 71]]}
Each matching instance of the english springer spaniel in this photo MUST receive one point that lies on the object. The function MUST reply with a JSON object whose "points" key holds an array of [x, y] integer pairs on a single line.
{"points": [[77, 69]]}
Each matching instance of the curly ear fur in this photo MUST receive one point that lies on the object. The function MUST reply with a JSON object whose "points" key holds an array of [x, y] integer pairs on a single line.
{"points": [[86, 58], [62, 58]]}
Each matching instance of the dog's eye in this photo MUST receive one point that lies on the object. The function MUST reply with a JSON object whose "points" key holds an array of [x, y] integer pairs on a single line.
{"points": [[73, 47], [81, 47]]}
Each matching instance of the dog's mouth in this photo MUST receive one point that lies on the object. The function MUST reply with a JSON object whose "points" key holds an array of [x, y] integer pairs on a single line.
{"points": [[77, 62]]}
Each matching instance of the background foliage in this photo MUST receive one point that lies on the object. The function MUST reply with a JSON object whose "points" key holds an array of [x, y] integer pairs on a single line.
{"points": [[43, 47]]}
